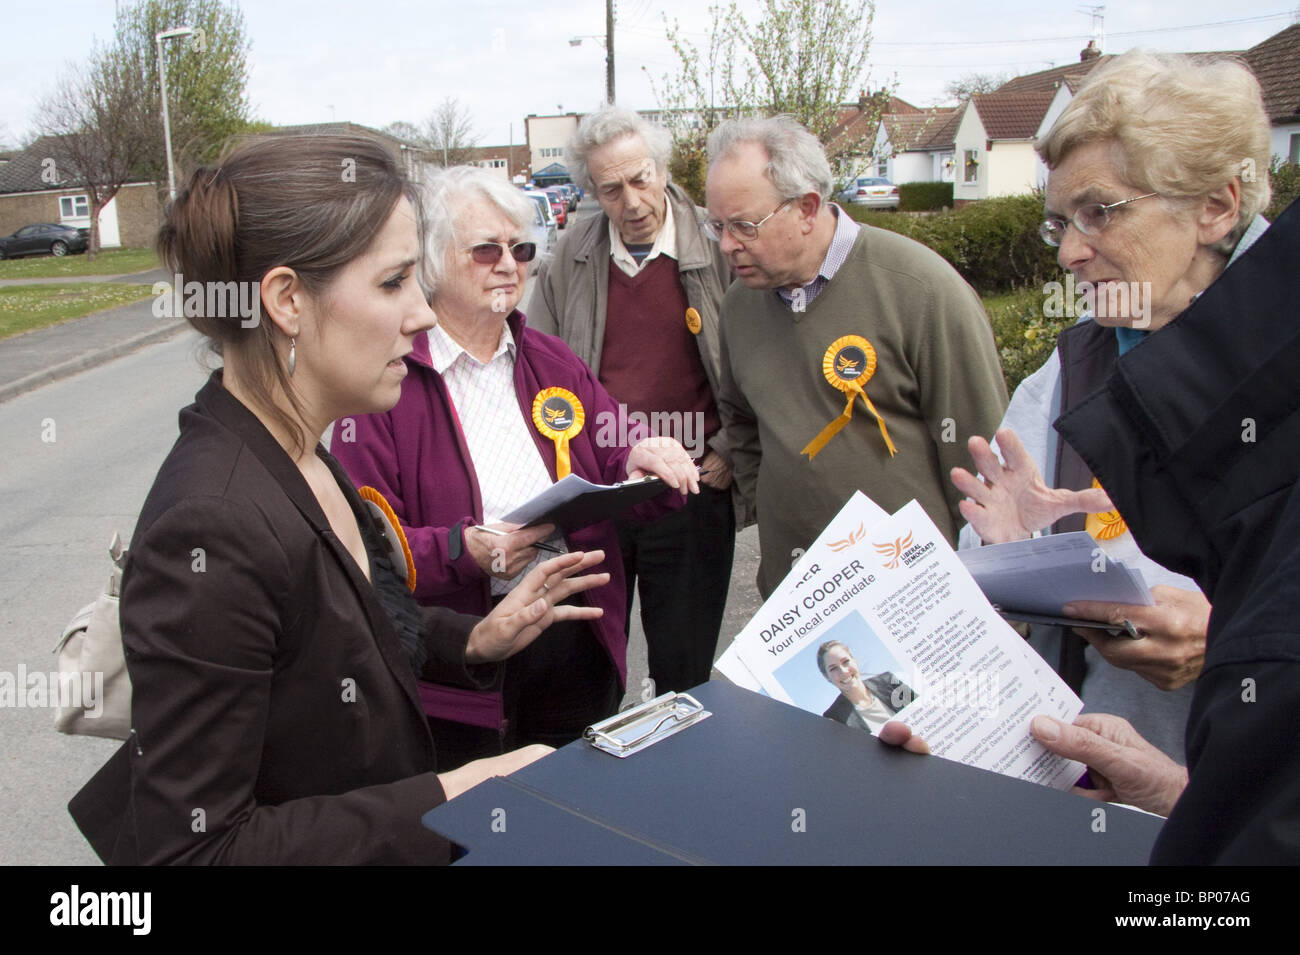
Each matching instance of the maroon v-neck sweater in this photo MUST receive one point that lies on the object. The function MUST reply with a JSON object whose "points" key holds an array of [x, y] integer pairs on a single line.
{"points": [[650, 361]]}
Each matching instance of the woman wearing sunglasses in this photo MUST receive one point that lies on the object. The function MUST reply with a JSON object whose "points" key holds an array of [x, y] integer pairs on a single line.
{"points": [[272, 644], [1157, 183], [491, 414]]}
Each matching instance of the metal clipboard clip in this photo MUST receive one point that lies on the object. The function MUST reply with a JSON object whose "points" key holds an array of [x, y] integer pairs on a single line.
{"points": [[642, 726]]}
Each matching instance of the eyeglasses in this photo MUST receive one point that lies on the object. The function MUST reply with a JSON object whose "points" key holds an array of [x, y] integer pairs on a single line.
{"points": [[1089, 220], [489, 253], [739, 228]]}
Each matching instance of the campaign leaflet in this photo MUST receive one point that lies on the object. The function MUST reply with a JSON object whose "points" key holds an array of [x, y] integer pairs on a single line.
{"points": [[880, 620]]}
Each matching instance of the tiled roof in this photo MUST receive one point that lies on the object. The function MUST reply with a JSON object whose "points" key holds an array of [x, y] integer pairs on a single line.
{"points": [[1072, 74], [1276, 64], [923, 130], [1012, 115], [853, 125], [22, 173]]}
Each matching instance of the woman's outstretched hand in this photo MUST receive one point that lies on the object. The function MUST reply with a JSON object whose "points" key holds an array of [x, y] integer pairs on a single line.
{"points": [[1013, 501], [536, 604]]}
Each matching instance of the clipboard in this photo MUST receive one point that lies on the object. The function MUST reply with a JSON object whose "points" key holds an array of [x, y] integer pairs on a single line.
{"points": [[1050, 620], [573, 503], [642, 726]]}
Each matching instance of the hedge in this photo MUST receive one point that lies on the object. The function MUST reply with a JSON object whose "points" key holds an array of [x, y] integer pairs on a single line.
{"points": [[924, 196], [993, 243], [1285, 180]]}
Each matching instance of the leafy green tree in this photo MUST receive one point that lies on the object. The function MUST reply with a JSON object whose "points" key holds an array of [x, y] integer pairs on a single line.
{"points": [[808, 58], [207, 76]]}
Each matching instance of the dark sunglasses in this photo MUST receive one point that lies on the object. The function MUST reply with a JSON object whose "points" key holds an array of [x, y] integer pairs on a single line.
{"points": [[489, 253]]}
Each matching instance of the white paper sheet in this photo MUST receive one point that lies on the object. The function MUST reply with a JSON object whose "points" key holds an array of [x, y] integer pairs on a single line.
{"points": [[895, 594]]}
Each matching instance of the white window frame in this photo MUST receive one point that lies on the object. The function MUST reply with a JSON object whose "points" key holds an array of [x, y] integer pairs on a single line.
{"points": [[82, 200], [970, 173]]}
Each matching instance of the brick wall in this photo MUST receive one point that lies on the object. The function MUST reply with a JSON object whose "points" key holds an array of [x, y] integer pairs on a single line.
{"points": [[18, 211], [139, 212]]}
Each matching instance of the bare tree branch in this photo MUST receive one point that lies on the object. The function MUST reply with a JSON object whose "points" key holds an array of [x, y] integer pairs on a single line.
{"points": [[96, 124]]}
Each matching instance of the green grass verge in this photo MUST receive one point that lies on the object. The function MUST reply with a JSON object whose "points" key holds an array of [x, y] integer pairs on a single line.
{"points": [[111, 262], [25, 307]]}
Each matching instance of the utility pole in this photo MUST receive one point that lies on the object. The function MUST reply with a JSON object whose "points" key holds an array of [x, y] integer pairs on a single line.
{"points": [[609, 51]]}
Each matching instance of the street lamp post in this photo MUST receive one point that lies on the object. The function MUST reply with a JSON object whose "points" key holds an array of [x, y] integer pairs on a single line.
{"points": [[162, 81], [607, 41]]}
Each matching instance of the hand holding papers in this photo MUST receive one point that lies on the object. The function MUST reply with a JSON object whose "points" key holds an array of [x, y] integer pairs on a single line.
{"points": [[1040, 576], [879, 620]]}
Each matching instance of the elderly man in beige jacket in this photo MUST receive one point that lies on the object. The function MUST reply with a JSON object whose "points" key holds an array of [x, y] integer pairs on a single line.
{"points": [[635, 293]]}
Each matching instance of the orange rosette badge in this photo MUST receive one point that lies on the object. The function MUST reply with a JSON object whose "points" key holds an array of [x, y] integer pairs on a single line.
{"points": [[849, 364], [558, 415], [399, 551], [1105, 525]]}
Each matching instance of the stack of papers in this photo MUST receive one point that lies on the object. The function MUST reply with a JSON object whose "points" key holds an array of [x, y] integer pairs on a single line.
{"points": [[920, 635]]}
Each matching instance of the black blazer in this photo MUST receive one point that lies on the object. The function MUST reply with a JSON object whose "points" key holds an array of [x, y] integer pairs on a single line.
{"points": [[275, 713]]}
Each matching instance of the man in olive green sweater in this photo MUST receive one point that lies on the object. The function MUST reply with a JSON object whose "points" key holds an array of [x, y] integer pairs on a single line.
{"points": [[831, 318]]}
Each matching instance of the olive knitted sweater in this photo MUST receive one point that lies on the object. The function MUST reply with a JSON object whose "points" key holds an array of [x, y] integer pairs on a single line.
{"points": [[937, 381]]}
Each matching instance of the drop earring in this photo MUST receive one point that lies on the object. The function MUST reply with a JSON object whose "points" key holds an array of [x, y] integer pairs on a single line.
{"points": [[293, 355]]}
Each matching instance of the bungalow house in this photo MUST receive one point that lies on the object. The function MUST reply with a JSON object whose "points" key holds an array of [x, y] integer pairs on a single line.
{"points": [[918, 146], [856, 134], [1276, 64], [34, 189], [994, 143]]}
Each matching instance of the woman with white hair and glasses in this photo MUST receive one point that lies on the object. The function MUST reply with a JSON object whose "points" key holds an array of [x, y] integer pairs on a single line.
{"points": [[1157, 184], [491, 415]]}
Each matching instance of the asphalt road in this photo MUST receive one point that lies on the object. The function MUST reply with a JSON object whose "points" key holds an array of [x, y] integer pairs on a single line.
{"points": [[81, 454]]}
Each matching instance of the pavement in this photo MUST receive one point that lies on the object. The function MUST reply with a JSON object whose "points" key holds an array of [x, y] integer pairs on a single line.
{"points": [[38, 357]]}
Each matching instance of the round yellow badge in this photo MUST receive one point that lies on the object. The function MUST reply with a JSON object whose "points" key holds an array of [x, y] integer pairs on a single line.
{"points": [[848, 364], [693, 321], [558, 415]]}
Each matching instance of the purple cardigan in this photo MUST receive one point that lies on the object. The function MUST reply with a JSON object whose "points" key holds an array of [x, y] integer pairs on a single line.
{"points": [[416, 456]]}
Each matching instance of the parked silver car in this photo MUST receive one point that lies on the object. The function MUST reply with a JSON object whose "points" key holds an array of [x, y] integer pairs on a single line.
{"points": [[544, 225], [875, 192]]}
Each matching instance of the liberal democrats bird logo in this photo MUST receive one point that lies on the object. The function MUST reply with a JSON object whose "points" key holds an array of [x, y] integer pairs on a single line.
{"points": [[849, 541], [846, 367], [555, 416], [894, 551]]}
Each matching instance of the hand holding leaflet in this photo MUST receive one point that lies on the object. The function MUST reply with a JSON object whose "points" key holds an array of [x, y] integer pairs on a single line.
{"points": [[879, 621]]}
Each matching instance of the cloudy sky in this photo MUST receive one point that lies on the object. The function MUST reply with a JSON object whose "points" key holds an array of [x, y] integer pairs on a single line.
{"points": [[376, 61]]}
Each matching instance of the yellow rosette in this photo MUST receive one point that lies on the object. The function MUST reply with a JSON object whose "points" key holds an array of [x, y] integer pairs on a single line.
{"points": [[848, 364], [558, 415], [399, 549], [1106, 525]]}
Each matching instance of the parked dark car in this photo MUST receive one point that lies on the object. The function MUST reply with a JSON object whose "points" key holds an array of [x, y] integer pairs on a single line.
{"points": [[44, 237]]}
